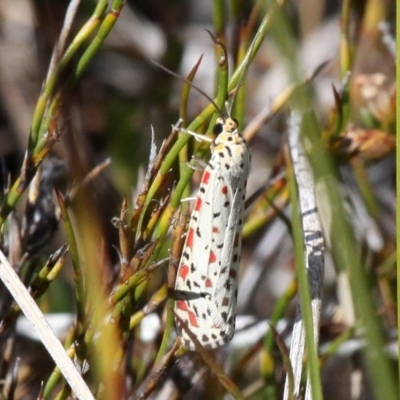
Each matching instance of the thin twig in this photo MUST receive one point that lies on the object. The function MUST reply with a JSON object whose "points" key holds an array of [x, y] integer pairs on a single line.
{"points": [[42, 328]]}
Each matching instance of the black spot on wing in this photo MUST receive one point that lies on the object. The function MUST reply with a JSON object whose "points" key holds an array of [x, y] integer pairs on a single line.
{"points": [[196, 311]]}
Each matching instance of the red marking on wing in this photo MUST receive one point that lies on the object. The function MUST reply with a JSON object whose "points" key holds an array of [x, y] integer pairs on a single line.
{"points": [[212, 258], [184, 271], [181, 304], [215, 229], [224, 190], [206, 177], [198, 204], [190, 236], [193, 319], [208, 282]]}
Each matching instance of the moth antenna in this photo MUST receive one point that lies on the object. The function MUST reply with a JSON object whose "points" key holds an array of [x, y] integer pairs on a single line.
{"points": [[191, 84], [241, 78], [220, 43], [228, 108], [229, 103]]}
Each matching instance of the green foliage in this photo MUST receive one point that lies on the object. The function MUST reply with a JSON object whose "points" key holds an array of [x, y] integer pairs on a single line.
{"points": [[102, 96]]}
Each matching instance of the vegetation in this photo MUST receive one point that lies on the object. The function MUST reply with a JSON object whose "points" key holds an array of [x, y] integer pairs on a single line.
{"points": [[93, 177]]}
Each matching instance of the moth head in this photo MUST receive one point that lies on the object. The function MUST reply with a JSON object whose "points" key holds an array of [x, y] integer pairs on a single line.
{"points": [[228, 125]]}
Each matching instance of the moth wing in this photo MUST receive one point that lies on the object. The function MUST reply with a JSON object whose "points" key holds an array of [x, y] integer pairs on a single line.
{"points": [[224, 296], [192, 282], [203, 253], [213, 256]]}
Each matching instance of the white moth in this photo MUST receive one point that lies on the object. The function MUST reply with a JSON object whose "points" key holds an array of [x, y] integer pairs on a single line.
{"points": [[207, 278]]}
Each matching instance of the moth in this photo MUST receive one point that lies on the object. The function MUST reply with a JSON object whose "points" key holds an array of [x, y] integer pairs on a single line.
{"points": [[207, 278]]}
